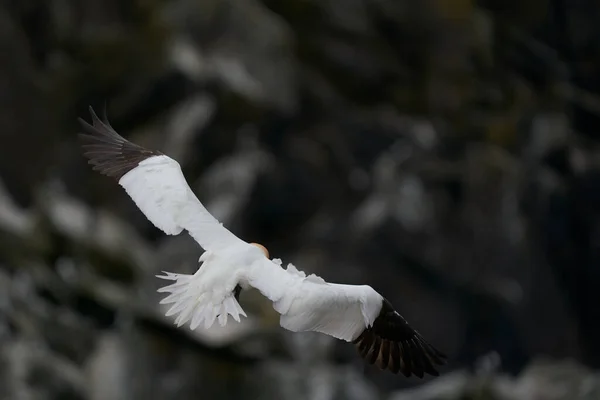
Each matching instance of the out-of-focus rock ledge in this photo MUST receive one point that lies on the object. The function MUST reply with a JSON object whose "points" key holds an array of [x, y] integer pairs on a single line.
{"points": [[369, 141], [543, 379]]}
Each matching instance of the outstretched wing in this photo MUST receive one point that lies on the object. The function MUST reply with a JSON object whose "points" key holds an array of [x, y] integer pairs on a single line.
{"points": [[308, 303], [354, 313], [155, 183], [391, 343]]}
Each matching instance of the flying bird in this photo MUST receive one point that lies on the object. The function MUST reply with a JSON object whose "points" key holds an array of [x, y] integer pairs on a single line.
{"points": [[353, 313]]}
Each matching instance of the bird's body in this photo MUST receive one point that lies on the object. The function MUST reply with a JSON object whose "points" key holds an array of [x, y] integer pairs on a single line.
{"points": [[354, 313]]}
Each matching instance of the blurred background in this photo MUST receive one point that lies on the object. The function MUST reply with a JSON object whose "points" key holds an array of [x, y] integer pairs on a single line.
{"points": [[444, 152]]}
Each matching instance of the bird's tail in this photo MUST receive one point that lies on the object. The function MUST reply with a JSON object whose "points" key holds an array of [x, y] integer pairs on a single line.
{"points": [[192, 303]]}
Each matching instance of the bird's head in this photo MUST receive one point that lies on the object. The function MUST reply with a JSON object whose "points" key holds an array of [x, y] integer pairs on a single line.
{"points": [[263, 248]]}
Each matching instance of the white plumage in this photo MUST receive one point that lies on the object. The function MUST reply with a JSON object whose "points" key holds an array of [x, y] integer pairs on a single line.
{"points": [[306, 303], [159, 189], [156, 184]]}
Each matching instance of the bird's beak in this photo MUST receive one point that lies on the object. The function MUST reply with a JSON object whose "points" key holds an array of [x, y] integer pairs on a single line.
{"points": [[263, 248]]}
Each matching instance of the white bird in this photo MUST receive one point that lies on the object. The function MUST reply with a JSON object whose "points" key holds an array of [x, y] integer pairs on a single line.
{"points": [[354, 313]]}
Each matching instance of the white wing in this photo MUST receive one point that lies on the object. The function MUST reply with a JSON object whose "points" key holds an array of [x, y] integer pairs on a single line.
{"points": [[356, 314], [308, 303], [156, 184]]}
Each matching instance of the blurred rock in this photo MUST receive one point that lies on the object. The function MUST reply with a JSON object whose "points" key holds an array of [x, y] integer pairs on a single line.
{"points": [[107, 376], [449, 387], [244, 46], [32, 372], [23, 87], [13, 219], [97, 232], [229, 181], [188, 119], [442, 152], [544, 379]]}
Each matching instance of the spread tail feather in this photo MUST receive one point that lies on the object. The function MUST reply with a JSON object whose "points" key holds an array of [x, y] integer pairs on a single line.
{"points": [[190, 303]]}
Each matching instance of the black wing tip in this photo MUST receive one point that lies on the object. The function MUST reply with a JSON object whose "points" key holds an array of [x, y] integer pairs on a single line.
{"points": [[429, 357], [101, 124], [408, 352], [408, 358], [99, 131], [94, 115], [108, 152], [399, 348]]}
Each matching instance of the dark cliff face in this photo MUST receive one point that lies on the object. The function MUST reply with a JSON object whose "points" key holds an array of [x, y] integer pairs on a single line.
{"points": [[440, 151]]}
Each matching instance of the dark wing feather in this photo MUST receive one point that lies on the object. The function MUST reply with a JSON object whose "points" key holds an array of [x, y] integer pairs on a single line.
{"points": [[393, 344], [107, 151]]}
